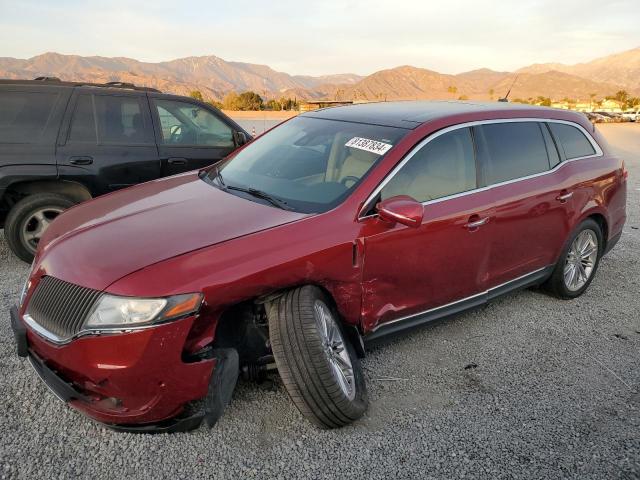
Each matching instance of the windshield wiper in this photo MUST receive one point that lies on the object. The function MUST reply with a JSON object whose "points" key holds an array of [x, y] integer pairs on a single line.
{"points": [[260, 194], [218, 176]]}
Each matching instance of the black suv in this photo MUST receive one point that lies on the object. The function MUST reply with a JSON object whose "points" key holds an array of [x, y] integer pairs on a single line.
{"points": [[65, 142]]}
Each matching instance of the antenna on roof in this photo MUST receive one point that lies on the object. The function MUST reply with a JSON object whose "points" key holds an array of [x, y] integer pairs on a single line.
{"points": [[506, 97]]}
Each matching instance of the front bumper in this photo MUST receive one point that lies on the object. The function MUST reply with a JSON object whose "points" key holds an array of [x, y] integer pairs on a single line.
{"points": [[135, 381]]}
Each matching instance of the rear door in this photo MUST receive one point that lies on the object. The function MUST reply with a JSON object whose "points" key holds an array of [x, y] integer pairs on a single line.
{"points": [[190, 135], [532, 203], [107, 141]]}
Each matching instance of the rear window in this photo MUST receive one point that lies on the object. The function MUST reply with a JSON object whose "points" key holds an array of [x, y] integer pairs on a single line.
{"points": [[512, 150], [83, 125], [24, 115], [571, 140], [118, 120]]}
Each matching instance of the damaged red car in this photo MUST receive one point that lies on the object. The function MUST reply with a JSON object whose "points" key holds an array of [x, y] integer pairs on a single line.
{"points": [[333, 230]]}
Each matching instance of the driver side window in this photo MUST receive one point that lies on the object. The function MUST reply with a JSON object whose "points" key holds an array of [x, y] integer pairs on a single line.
{"points": [[188, 124], [444, 166]]}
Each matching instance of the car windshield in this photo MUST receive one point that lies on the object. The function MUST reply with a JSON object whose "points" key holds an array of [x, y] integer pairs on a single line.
{"points": [[309, 165]]}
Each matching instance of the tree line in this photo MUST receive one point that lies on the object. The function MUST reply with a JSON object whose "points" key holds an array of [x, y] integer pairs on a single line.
{"points": [[626, 101], [248, 101], [252, 101]]}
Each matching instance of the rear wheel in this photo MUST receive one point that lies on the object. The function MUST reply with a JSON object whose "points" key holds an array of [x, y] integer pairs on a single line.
{"points": [[316, 362], [579, 261], [29, 219]]}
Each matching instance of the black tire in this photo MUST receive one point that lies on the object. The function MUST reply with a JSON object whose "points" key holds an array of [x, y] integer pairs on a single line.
{"points": [[556, 283], [21, 213], [303, 360]]}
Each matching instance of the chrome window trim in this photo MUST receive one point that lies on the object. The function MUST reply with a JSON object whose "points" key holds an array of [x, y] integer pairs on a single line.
{"points": [[367, 204]]}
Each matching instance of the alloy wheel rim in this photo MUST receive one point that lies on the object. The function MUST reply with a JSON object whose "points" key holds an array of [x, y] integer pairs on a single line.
{"points": [[581, 260], [335, 349], [36, 224]]}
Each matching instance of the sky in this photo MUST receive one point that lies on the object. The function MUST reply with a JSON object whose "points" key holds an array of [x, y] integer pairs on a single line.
{"points": [[331, 36]]}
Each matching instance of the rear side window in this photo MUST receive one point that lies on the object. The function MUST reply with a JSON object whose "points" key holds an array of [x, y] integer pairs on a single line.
{"points": [[512, 150], [24, 115], [110, 120], [444, 166], [83, 123], [571, 140]]}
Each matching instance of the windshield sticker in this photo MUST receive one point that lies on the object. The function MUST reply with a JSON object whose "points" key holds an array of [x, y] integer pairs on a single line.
{"points": [[373, 146]]}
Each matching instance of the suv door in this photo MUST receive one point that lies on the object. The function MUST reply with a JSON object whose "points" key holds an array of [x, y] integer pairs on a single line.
{"points": [[190, 135], [108, 141], [532, 201], [411, 270]]}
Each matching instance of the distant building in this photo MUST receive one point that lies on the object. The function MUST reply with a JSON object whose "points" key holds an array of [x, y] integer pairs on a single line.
{"points": [[314, 105], [595, 106]]}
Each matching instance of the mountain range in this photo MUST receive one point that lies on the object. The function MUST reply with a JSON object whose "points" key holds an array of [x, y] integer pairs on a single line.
{"points": [[215, 77]]}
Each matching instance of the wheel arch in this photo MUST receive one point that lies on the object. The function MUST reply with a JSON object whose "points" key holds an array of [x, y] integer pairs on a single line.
{"points": [[75, 191], [598, 214], [237, 317]]}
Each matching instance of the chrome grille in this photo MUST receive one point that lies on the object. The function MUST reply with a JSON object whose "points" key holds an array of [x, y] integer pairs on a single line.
{"points": [[61, 307]]}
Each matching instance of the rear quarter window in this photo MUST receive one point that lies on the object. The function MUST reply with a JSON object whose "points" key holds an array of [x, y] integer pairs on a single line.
{"points": [[24, 115], [571, 140]]}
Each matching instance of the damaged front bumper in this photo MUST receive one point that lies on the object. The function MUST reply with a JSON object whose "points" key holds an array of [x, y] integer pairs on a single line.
{"points": [[134, 381]]}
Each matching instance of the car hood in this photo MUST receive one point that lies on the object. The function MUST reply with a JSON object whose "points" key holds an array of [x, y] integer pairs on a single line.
{"points": [[100, 241]]}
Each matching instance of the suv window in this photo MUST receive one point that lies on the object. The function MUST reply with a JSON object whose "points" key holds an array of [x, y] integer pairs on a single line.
{"points": [[109, 119], [444, 166], [83, 123], [571, 140], [24, 115], [184, 123], [512, 150]]}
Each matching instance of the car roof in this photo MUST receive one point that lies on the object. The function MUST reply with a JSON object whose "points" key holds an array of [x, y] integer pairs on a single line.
{"points": [[411, 114]]}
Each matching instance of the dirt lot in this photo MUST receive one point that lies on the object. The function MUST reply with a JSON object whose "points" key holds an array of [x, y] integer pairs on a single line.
{"points": [[526, 387]]}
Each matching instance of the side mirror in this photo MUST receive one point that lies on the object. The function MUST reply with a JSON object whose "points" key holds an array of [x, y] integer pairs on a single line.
{"points": [[240, 138], [401, 209]]}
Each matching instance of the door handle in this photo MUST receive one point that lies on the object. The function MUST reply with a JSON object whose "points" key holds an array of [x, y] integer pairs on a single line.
{"points": [[82, 160], [473, 223], [564, 196], [177, 161]]}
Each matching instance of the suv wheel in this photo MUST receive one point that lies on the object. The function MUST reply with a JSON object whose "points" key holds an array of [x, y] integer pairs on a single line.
{"points": [[318, 365], [28, 220], [578, 263]]}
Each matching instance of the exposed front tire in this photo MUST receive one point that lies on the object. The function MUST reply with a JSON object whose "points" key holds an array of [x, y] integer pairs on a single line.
{"points": [[28, 220], [315, 359], [578, 262]]}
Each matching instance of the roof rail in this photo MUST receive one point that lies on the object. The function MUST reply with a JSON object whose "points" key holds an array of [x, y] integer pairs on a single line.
{"points": [[47, 79], [120, 84], [57, 81]]}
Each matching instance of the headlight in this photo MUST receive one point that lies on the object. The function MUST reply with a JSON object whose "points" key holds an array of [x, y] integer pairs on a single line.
{"points": [[121, 312]]}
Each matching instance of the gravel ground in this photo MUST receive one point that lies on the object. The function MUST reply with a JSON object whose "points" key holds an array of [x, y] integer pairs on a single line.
{"points": [[526, 387]]}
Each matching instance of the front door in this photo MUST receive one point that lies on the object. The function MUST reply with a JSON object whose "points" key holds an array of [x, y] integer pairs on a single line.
{"points": [[108, 142], [189, 135], [407, 270]]}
